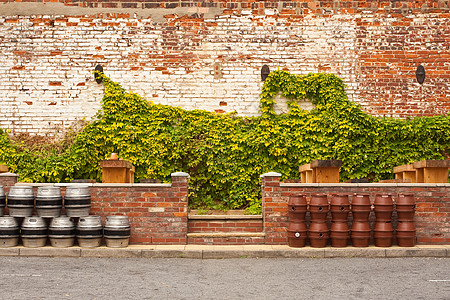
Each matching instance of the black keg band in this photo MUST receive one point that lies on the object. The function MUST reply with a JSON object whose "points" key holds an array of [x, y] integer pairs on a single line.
{"points": [[29, 202], [12, 231], [49, 203], [115, 232], [29, 232], [61, 232], [91, 232], [71, 202]]}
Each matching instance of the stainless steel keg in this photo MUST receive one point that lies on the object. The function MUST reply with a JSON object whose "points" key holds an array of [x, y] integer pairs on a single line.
{"points": [[34, 232], [90, 231], [48, 201], [2, 201], [62, 232], [20, 201], [77, 201], [117, 231], [9, 232]]}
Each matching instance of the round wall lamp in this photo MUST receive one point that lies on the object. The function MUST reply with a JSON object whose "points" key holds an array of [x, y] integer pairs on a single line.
{"points": [[98, 69], [420, 74]]}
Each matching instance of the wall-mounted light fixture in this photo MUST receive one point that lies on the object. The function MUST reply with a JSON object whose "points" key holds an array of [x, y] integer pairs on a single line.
{"points": [[98, 69], [265, 71], [420, 74]]}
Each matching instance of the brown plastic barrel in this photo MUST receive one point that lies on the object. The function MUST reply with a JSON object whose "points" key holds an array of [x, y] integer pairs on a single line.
{"points": [[383, 207], [406, 234], [318, 234], [297, 207], [405, 206], [339, 234], [383, 234], [318, 208], [340, 207], [361, 208], [360, 234], [297, 234]]}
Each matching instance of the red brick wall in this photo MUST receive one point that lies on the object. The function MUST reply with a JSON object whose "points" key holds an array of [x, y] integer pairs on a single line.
{"points": [[432, 217], [168, 51]]}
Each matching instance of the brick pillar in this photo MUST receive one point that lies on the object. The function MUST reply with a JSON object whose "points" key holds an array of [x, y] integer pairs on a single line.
{"points": [[274, 209], [7, 180], [180, 191]]}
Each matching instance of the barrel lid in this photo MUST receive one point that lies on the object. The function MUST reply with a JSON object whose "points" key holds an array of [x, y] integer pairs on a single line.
{"points": [[7, 222], [33, 222], [21, 191], [62, 222], [90, 221]]}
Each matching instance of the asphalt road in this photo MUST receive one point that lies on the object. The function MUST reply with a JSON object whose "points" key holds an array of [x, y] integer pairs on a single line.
{"points": [[119, 278]]}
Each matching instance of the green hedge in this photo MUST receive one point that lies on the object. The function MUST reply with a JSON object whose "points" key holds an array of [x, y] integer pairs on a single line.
{"points": [[226, 153]]}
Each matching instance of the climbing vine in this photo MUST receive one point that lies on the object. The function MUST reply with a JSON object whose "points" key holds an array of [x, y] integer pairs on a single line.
{"points": [[226, 153]]}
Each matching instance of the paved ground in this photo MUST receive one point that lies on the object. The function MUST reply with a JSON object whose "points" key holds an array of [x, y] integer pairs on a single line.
{"points": [[243, 278]]}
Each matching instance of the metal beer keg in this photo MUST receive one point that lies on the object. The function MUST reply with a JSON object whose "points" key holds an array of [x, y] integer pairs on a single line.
{"points": [[2, 201], [9, 232], [90, 231], [20, 201], [117, 231], [62, 232], [77, 201], [34, 232], [48, 201]]}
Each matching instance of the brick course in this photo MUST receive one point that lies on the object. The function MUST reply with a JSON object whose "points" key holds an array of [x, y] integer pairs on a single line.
{"points": [[208, 55]]}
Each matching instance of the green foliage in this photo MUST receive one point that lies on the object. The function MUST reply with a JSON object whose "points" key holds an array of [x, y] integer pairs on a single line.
{"points": [[226, 153]]}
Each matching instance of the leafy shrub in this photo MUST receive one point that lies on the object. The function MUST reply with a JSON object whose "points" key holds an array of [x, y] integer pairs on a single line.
{"points": [[226, 153]]}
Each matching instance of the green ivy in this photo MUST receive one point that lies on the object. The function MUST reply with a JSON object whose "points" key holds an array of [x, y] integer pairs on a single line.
{"points": [[226, 153]]}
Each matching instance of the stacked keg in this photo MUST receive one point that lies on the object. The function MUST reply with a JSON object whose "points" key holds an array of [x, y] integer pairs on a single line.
{"points": [[297, 232], [48, 202], [20, 201], [2, 201], [361, 208], [318, 229], [406, 231], [77, 201], [62, 232], [340, 208], [89, 231], [9, 232], [117, 231], [34, 232], [383, 231]]}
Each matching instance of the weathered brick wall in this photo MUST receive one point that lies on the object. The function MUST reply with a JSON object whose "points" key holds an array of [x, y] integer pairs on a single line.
{"points": [[208, 55], [432, 217]]}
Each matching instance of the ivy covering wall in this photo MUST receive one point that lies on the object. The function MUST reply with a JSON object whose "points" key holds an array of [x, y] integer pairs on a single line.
{"points": [[225, 153]]}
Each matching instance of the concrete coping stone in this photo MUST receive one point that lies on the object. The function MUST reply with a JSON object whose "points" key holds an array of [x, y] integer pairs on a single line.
{"points": [[180, 174], [271, 174], [105, 185], [8, 174], [368, 185], [224, 251]]}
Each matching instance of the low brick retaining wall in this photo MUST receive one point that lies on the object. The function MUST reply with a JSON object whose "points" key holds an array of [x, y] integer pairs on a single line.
{"points": [[432, 217], [158, 213]]}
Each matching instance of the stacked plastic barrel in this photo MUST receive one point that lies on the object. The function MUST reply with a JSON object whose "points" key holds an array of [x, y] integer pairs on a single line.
{"points": [[318, 229], [339, 233], [340, 208], [62, 229], [297, 233], [406, 231], [361, 208]]}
